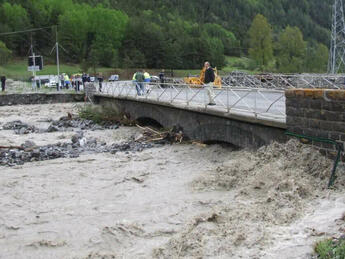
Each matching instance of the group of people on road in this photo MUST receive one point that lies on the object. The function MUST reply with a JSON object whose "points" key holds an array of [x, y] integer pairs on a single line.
{"points": [[65, 81], [76, 81], [141, 78]]}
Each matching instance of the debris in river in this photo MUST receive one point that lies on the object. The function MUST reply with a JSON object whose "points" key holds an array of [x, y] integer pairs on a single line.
{"points": [[19, 127], [175, 135], [29, 152], [68, 122]]}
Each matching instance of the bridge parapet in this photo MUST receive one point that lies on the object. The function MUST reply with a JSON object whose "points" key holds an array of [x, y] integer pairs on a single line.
{"points": [[318, 113]]}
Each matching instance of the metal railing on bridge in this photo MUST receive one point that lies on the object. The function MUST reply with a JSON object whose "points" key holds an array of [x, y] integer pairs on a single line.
{"points": [[259, 103], [284, 81]]}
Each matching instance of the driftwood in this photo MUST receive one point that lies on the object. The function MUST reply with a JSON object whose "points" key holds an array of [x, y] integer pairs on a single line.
{"points": [[152, 135], [199, 144], [11, 147]]}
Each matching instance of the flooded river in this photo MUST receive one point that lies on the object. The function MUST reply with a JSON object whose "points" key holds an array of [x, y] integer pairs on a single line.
{"points": [[170, 201]]}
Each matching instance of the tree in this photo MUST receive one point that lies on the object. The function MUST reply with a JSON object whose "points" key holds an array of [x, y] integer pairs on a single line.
{"points": [[217, 31], [73, 33], [172, 34], [261, 48], [5, 53], [291, 51], [13, 18], [216, 49], [108, 27], [93, 35], [317, 58]]}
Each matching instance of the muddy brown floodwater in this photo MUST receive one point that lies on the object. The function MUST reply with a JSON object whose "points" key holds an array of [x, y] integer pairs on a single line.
{"points": [[172, 201]]}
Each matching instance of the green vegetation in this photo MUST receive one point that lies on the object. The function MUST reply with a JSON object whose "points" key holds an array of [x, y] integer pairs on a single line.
{"points": [[291, 50], [330, 249], [242, 64], [18, 70], [261, 45], [5, 53], [103, 115], [174, 34], [97, 113]]}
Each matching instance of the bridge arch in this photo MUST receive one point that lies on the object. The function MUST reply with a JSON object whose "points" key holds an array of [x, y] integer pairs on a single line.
{"points": [[147, 121], [226, 133]]}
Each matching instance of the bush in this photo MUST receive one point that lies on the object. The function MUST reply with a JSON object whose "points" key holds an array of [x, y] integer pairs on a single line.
{"points": [[5, 53], [101, 115], [331, 249]]}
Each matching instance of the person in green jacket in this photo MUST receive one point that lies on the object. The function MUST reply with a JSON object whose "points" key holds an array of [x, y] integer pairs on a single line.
{"points": [[139, 80]]}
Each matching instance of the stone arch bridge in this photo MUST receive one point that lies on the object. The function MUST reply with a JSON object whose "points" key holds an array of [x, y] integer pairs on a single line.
{"points": [[198, 123]]}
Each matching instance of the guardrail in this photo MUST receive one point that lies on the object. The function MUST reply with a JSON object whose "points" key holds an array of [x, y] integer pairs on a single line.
{"points": [[283, 81], [254, 102], [22, 87]]}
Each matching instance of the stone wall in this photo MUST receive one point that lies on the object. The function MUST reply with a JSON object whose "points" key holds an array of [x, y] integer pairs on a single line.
{"points": [[39, 98], [317, 113]]}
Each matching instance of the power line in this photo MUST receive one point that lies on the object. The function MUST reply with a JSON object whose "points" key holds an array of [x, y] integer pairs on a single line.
{"points": [[25, 31]]}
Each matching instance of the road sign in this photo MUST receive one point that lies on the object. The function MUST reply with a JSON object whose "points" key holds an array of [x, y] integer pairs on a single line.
{"points": [[33, 68], [37, 62]]}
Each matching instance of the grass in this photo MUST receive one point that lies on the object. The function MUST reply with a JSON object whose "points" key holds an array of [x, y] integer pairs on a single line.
{"points": [[330, 249], [242, 64], [17, 69], [98, 114], [104, 114]]}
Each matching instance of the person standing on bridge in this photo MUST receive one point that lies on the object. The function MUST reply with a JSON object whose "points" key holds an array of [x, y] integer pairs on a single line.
{"points": [[209, 80], [100, 81], [161, 78], [62, 80], [139, 79], [147, 77], [84, 79], [3, 83], [134, 80], [147, 81]]}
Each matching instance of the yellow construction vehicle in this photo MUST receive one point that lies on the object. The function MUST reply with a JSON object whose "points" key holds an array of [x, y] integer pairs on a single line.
{"points": [[199, 81]]}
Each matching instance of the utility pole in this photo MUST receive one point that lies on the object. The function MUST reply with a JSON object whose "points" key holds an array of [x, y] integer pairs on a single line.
{"points": [[336, 63], [57, 57], [34, 62]]}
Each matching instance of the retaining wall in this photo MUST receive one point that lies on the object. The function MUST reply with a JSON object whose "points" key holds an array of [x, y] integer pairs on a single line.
{"points": [[317, 113], [39, 98]]}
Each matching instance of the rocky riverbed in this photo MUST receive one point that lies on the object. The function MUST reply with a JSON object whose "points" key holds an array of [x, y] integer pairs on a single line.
{"points": [[109, 196]]}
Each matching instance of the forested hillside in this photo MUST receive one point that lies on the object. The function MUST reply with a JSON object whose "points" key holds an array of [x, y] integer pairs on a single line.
{"points": [[158, 33]]}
